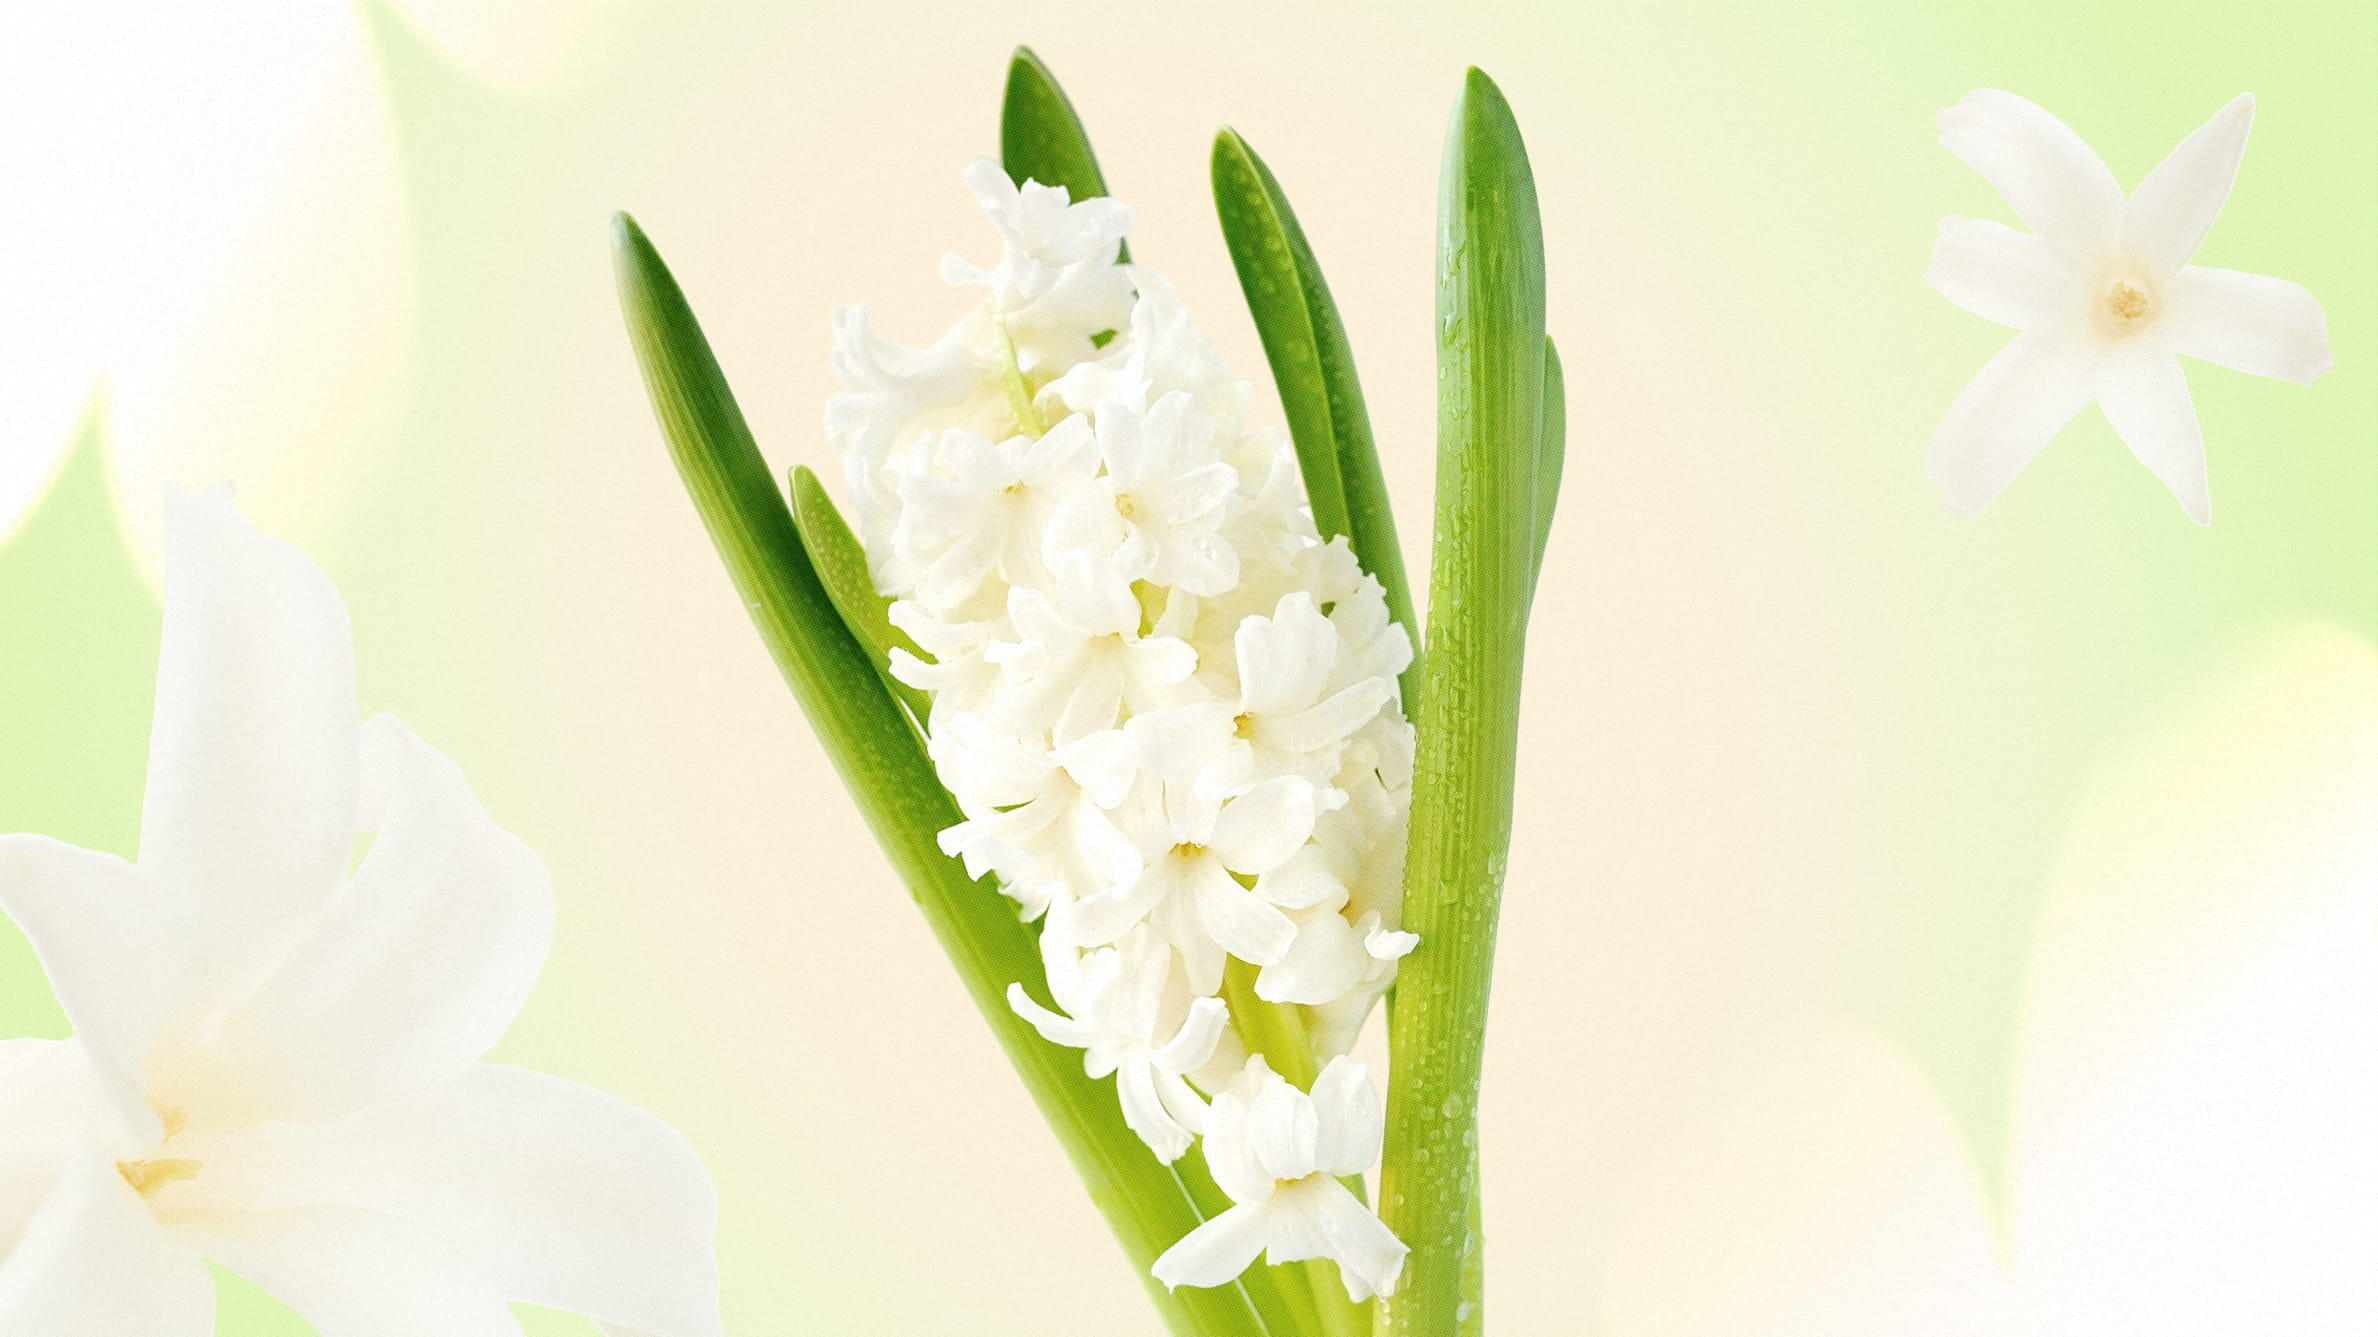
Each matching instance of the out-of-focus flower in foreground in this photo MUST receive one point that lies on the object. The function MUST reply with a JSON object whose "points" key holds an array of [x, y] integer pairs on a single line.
{"points": [[275, 1060], [2193, 1144], [2104, 297]]}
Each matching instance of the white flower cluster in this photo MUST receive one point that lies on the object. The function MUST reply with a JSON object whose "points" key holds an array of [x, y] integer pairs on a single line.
{"points": [[1167, 710]]}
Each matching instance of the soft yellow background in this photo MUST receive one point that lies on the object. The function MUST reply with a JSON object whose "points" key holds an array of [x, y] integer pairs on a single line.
{"points": [[1797, 741]]}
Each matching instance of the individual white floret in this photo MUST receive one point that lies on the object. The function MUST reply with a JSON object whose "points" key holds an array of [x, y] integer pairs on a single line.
{"points": [[1278, 1153], [1132, 1015]]}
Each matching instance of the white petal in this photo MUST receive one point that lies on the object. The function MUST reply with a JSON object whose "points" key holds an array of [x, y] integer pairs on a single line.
{"points": [[1243, 923], [2018, 400], [1230, 1156], [1283, 659], [1144, 1111], [1283, 1130], [1341, 714], [115, 945], [1193, 1045], [2052, 180], [1325, 962], [559, 1194], [2170, 212], [2145, 396], [93, 1262], [251, 782], [1368, 1254], [1305, 879], [2001, 274], [415, 968], [2247, 322], [1054, 1027], [1352, 1118], [55, 1109], [1215, 1253], [355, 1273], [1258, 831]]}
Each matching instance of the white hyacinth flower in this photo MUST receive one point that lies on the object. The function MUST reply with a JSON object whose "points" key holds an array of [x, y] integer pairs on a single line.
{"points": [[1195, 847], [1132, 1015], [275, 1062], [2104, 297], [1278, 1152], [1167, 710]]}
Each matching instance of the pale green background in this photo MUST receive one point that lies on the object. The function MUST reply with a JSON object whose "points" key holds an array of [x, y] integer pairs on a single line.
{"points": [[1796, 738]]}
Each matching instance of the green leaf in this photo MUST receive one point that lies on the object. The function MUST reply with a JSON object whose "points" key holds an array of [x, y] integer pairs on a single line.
{"points": [[883, 764], [1551, 449], [1313, 365], [841, 564], [1490, 386], [1040, 137]]}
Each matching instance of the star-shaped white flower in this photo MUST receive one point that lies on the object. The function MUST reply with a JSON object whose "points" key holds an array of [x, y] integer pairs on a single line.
{"points": [[275, 1062], [2106, 300], [1278, 1152]]}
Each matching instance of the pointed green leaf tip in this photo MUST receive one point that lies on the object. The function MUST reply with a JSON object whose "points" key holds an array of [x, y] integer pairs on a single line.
{"points": [[1313, 364], [882, 762], [1491, 383], [1041, 138], [842, 566]]}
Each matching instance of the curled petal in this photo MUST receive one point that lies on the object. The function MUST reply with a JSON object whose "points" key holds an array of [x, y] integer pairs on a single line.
{"points": [[2170, 212], [2145, 396], [2052, 180], [1192, 1046], [2018, 400], [2001, 274], [2247, 322], [1145, 1113]]}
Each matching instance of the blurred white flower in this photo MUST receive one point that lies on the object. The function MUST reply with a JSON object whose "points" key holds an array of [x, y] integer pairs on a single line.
{"points": [[275, 1062], [206, 221], [2194, 1147], [2104, 297], [1277, 1152]]}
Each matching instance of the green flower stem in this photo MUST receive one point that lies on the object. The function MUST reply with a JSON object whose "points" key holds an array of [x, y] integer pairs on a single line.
{"points": [[1313, 364], [882, 762], [1490, 391]]}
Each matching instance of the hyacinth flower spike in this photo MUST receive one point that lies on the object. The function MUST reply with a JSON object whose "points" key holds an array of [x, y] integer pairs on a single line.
{"points": [[1101, 642]]}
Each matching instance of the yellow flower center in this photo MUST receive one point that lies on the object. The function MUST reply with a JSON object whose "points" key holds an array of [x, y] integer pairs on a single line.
{"points": [[149, 1175], [2127, 304], [146, 1177]]}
